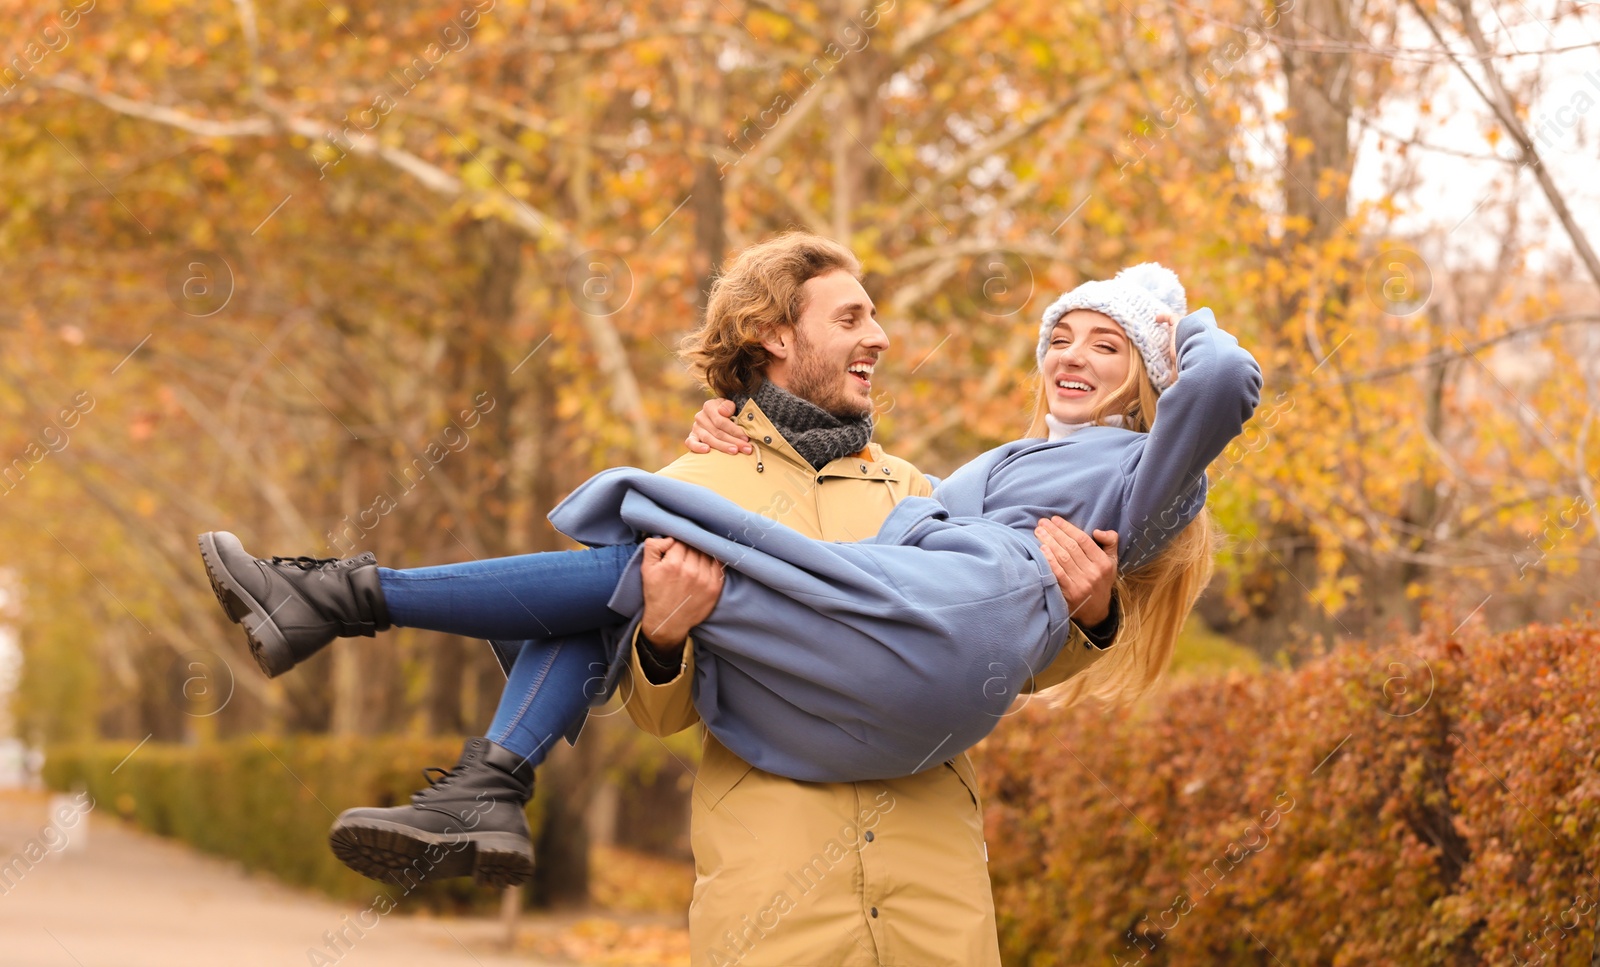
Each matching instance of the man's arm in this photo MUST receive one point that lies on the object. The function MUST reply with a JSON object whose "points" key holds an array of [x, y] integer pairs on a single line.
{"points": [[657, 691], [681, 588], [1086, 570]]}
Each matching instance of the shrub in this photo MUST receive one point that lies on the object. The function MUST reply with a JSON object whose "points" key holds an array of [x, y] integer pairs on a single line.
{"points": [[1430, 802], [267, 803]]}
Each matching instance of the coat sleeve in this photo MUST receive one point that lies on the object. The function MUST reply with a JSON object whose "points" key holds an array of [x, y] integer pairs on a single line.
{"points": [[668, 707], [659, 709], [1218, 388], [1076, 657]]}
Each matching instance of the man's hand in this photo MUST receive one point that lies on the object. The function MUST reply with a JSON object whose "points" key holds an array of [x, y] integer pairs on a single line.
{"points": [[1085, 569], [714, 427], [681, 587]]}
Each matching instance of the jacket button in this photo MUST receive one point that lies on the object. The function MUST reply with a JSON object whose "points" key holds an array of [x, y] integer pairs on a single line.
{"points": [[874, 913], [863, 468], [869, 836], [819, 478], [886, 471], [766, 439]]}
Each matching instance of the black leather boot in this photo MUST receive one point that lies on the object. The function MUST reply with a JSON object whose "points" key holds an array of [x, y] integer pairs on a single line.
{"points": [[468, 822], [291, 606]]}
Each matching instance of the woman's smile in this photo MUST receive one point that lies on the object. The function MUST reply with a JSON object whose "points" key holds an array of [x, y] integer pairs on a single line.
{"points": [[1073, 386]]}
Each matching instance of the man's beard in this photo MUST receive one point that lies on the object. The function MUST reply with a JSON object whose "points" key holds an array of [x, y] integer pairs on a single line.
{"points": [[814, 381]]}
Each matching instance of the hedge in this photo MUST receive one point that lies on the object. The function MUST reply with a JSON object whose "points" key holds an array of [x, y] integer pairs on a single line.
{"points": [[267, 803], [1430, 802]]}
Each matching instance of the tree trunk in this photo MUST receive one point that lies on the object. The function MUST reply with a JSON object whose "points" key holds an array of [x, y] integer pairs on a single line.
{"points": [[1318, 86]]}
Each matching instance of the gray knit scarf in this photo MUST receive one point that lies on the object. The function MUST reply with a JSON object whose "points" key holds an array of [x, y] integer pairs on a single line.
{"points": [[817, 435]]}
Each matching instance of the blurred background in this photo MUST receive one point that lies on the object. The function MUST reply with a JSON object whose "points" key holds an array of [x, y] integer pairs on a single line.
{"points": [[396, 277]]}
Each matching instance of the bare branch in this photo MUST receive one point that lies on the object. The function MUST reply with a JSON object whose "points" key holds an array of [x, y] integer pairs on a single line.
{"points": [[204, 127], [1506, 111], [626, 398], [929, 254], [545, 127], [751, 160], [805, 26], [1004, 138], [935, 24], [1433, 359], [252, 42], [559, 43]]}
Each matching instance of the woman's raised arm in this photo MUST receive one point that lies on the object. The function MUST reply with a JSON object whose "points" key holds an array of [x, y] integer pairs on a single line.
{"points": [[1217, 389], [714, 428]]}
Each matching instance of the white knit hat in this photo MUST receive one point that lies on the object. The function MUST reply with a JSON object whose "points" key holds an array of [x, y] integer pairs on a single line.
{"points": [[1132, 299]]}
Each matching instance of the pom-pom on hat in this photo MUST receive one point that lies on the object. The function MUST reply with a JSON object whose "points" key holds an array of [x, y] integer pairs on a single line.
{"points": [[1132, 299]]}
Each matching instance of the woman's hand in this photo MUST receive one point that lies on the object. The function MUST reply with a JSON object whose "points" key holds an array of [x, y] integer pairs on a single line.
{"points": [[714, 427], [1170, 321]]}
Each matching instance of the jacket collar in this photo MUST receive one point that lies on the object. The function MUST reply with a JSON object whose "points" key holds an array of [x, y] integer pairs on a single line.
{"points": [[764, 436]]}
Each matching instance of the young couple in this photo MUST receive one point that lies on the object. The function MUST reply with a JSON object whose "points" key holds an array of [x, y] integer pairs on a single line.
{"points": [[855, 625]]}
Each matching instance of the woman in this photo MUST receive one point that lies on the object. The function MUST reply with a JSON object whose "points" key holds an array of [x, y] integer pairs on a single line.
{"points": [[910, 652]]}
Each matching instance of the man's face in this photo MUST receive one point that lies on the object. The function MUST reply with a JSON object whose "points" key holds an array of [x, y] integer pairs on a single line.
{"points": [[836, 346]]}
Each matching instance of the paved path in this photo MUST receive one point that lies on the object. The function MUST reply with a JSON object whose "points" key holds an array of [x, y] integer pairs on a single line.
{"points": [[118, 897]]}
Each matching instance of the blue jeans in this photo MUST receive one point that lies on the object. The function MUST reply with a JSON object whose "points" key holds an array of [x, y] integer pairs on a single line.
{"points": [[557, 599]]}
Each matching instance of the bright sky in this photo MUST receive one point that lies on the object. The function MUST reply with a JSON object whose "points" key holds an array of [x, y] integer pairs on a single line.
{"points": [[1461, 199]]}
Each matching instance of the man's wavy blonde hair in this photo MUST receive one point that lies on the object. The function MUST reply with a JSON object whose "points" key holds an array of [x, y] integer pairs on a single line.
{"points": [[758, 292]]}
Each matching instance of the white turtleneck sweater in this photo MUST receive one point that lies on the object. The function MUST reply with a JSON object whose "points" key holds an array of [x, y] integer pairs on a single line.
{"points": [[1060, 431]]}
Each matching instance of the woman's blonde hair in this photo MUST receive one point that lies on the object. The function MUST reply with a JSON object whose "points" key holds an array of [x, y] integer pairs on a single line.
{"points": [[758, 292], [1155, 599]]}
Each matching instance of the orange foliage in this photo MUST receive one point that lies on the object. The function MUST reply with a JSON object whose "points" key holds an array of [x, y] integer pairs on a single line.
{"points": [[1426, 802]]}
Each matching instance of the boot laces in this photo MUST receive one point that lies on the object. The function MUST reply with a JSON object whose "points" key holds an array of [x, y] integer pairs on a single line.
{"points": [[445, 775], [305, 563], [423, 795]]}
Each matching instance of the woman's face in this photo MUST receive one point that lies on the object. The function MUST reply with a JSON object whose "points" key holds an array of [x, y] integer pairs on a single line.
{"points": [[1087, 359]]}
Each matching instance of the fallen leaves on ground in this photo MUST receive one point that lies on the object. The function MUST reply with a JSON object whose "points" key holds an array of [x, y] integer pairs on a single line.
{"points": [[600, 942], [633, 882]]}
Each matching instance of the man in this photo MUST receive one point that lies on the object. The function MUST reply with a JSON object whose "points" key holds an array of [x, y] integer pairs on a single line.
{"points": [[787, 872]]}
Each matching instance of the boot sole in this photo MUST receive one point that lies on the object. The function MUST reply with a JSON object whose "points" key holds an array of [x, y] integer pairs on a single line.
{"points": [[399, 854], [267, 644]]}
